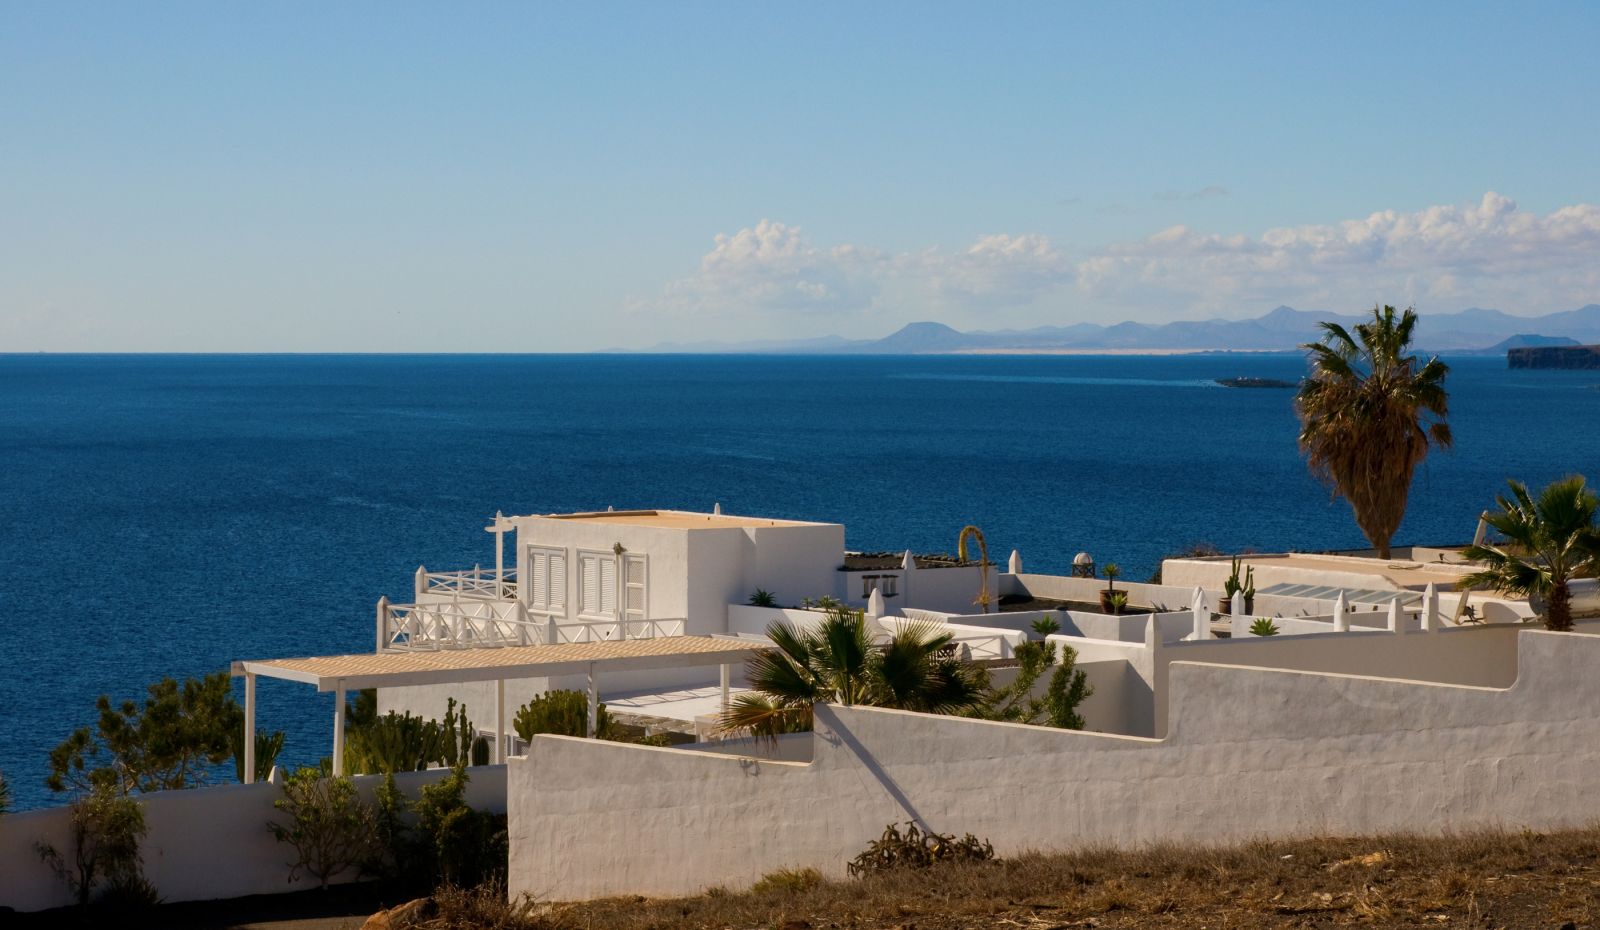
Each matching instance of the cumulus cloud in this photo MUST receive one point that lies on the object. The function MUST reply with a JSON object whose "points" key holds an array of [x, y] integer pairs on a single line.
{"points": [[1491, 253], [774, 267]]}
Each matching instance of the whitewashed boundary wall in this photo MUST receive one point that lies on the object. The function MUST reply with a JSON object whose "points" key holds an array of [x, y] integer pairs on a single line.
{"points": [[204, 843], [1252, 753]]}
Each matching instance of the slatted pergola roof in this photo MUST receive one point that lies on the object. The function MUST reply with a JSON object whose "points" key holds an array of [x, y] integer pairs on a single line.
{"points": [[453, 666]]}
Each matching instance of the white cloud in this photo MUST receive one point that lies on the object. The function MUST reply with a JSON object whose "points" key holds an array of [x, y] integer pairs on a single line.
{"points": [[773, 267], [1490, 253]]}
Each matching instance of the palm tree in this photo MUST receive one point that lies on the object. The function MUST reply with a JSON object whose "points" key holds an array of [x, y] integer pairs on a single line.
{"points": [[838, 663], [983, 562], [1368, 414], [1548, 543]]}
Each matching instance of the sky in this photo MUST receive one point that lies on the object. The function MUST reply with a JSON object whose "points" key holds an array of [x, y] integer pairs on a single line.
{"points": [[311, 177]]}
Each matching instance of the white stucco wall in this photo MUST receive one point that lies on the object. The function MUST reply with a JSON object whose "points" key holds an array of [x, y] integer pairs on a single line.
{"points": [[1251, 753], [203, 844]]}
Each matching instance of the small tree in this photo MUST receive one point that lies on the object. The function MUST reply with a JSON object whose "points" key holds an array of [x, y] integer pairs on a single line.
{"points": [[1548, 544], [1057, 707], [330, 829], [106, 827], [171, 741], [268, 745]]}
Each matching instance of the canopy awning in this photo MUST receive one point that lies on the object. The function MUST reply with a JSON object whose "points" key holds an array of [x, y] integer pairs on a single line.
{"points": [[448, 666]]}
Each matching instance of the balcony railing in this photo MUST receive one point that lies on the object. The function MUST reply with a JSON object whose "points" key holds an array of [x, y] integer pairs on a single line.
{"points": [[490, 624], [477, 582]]}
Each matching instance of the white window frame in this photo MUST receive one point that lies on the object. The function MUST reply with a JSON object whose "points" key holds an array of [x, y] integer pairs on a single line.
{"points": [[642, 615], [603, 558], [556, 589]]}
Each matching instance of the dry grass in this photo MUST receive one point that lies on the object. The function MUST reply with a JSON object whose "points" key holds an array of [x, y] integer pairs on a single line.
{"points": [[1478, 881]]}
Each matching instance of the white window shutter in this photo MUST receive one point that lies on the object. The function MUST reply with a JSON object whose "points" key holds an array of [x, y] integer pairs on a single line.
{"points": [[558, 581], [590, 604], [608, 586], [540, 563]]}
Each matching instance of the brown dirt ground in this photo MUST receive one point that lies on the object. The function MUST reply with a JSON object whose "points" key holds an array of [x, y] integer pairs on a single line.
{"points": [[1493, 880]]}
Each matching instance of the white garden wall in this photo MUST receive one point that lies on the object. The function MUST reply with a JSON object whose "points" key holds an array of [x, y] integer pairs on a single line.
{"points": [[204, 843], [1251, 753]]}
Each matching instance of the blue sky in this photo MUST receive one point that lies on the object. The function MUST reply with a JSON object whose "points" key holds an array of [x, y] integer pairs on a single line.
{"points": [[519, 177]]}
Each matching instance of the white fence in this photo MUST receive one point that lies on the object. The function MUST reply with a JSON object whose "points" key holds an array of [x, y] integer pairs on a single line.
{"points": [[487, 624], [478, 582]]}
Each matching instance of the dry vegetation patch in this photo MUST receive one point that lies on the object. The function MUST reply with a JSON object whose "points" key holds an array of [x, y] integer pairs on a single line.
{"points": [[1483, 880]]}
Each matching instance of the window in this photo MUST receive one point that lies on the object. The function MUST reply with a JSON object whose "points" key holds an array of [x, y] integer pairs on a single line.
{"points": [[888, 585], [597, 576], [547, 580], [635, 603]]}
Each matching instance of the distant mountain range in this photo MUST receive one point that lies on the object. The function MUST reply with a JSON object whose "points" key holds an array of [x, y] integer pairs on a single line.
{"points": [[1473, 331]]}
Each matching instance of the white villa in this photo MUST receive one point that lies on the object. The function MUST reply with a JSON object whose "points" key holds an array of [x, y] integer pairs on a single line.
{"points": [[1390, 702]]}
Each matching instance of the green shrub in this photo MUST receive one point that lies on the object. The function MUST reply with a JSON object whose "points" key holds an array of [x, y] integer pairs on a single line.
{"points": [[462, 846], [394, 742], [787, 881], [563, 713], [763, 598], [268, 746], [1263, 626], [331, 830], [915, 849], [105, 864]]}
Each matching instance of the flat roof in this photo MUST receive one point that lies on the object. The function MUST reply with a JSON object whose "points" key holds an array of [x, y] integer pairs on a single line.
{"points": [[675, 519], [448, 666]]}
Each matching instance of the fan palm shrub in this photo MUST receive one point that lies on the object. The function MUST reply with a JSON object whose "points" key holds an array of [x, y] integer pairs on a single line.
{"points": [[1548, 543], [838, 662], [1369, 412]]}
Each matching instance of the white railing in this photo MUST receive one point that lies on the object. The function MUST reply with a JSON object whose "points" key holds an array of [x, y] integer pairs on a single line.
{"points": [[477, 582], [488, 624]]}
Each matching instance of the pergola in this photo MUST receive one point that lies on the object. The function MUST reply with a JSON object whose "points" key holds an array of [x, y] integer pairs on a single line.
{"points": [[340, 674]]}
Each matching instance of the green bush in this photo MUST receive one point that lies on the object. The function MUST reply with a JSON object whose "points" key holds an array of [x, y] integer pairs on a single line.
{"points": [[1263, 626], [394, 743], [763, 598], [563, 713], [331, 830], [105, 864], [915, 849], [462, 846], [268, 746]]}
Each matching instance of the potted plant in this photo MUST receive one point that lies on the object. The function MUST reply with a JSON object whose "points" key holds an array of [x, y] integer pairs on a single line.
{"points": [[1106, 604], [1236, 584], [1119, 600]]}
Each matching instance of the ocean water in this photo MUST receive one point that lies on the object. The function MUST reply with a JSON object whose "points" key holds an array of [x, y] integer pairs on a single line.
{"points": [[164, 515]]}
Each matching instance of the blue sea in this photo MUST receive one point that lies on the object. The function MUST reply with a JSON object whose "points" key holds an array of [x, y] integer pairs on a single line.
{"points": [[164, 515]]}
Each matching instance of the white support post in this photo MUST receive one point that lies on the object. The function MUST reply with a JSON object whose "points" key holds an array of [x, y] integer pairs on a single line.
{"points": [[594, 703], [338, 729], [1237, 607], [1341, 614], [499, 553], [1152, 635], [716, 509], [249, 728], [1202, 617], [1397, 622], [727, 679], [420, 581], [383, 623], [1430, 609], [500, 728], [552, 631], [519, 613], [1014, 566]]}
